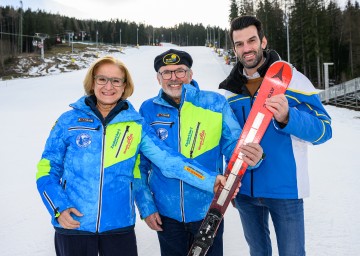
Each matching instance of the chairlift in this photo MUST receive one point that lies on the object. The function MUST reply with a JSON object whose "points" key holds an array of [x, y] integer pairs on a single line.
{"points": [[34, 43]]}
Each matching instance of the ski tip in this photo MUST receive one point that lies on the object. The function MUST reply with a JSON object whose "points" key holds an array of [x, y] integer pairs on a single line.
{"points": [[281, 70], [281, 63]]}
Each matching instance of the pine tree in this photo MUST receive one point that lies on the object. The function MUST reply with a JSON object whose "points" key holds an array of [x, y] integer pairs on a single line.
{"points": [[234, 10]]}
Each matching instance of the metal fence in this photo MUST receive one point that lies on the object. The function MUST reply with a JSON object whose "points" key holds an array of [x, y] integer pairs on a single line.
{"points": [[343, 95]]}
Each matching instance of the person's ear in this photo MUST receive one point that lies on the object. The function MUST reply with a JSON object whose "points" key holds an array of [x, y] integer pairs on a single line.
{"points": [[158, 77], [263, 43]]}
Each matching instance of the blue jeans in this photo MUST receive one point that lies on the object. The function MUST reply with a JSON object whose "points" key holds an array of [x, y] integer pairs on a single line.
{"points": [[177, 238], [287, 216]]}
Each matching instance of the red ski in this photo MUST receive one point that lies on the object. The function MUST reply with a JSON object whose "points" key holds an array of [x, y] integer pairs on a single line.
{"points": [[276, 81]]}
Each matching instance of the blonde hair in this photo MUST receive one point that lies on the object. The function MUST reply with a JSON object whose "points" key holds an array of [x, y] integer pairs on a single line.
{"points": [[89, 78]]}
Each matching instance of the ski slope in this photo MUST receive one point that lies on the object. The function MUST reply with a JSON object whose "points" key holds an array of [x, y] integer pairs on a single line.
{"points": [[29, 108]]}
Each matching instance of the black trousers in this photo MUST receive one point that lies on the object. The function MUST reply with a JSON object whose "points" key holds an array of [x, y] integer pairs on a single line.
{"points": [[119, 244], [177, 237]]}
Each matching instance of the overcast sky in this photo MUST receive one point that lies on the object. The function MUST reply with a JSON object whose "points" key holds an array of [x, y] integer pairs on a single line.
{"points": [[156, 13]]}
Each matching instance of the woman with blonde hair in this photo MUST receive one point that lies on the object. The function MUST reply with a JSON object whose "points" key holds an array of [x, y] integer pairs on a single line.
{"points": [[88, 177]]}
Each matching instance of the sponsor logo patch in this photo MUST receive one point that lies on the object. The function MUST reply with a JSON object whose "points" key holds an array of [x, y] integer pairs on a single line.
{"points": [[162, 133], [83, 140], [85, 120], [163, 115], [116, 139], [189, 136], [202, 139], [129, 141], [193, 172]]}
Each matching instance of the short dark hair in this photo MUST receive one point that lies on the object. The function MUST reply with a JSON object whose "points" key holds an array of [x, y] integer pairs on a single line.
{"points": [[245, 21]]}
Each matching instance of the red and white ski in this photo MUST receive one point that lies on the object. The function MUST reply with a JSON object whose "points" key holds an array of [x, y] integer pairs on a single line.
{"points": [[276, 81]]}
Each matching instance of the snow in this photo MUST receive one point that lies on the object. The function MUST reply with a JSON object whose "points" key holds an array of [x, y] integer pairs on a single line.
{"points": [[29, 108]]}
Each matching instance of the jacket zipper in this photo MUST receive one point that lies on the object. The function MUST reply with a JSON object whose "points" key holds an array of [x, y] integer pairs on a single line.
{"points": [[131, 199], [160, 122], [101, 181], [56, 212], [181, 182], [63, 185], [122, 140], [194, 141], [84, 128]]}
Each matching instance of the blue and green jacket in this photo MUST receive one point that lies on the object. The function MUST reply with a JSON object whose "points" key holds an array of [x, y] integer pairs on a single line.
{"points": [[89, 163], [202, 128], [284, 172]]}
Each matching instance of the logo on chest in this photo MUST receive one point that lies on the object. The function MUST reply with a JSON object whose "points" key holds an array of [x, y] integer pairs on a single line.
{"points": [[163, 115], [162, 133], [85, 120], [83, 140], [202, 139]]}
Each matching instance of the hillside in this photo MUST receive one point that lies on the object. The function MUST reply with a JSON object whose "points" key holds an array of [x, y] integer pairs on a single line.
{"points": [[59, 59]]}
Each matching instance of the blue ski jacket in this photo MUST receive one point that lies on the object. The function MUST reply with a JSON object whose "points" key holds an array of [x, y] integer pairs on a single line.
{"points": [[284, 172], [89, 165], [203, 128]]}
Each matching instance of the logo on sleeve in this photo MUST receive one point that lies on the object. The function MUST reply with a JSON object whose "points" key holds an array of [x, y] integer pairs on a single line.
{"points": [[195, 173]]}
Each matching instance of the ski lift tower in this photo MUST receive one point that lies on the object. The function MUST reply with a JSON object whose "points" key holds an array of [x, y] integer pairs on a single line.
{"points": [[21, 28], [70, 35], [42, 37]]}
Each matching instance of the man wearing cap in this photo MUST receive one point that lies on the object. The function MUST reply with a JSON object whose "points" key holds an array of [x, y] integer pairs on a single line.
{"points": [[200, 125]]}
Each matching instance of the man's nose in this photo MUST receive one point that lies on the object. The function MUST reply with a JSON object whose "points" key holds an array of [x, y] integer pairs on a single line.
{"points": [[247, 47], [173, 76]]}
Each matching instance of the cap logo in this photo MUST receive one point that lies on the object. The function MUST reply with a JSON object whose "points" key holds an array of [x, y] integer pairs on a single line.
{"points": [[171, 59]]}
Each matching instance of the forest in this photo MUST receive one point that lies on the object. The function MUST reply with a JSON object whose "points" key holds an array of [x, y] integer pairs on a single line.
{"points": [[305, 33]]}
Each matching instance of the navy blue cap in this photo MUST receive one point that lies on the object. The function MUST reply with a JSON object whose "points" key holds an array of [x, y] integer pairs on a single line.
{"points": [[172, 57]]}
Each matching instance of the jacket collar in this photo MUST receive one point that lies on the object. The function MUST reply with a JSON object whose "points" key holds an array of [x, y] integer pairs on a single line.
{"points": [[88, 105], [120, 106], [236, 81]]}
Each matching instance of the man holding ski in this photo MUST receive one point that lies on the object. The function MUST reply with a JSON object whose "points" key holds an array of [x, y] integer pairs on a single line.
{"points": [[277, 187]]}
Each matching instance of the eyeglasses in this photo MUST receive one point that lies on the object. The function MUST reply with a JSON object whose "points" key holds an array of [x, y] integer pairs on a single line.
{"points": [[167, 74], [115, 81]]}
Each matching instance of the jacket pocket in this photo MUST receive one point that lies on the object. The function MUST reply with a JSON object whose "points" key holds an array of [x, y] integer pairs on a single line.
{"points": [[131, 198], [84, 128], [162, 123], [63, 184]]}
